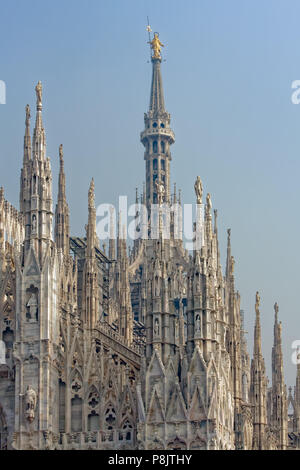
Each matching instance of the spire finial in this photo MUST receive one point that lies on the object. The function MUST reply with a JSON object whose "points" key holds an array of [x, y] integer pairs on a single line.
{"points": [[39, 93], [27, 138], [208, 204], [61, 155], [257, 302], [257, 333], [27, 120], [276, 309], [215, 220], [198, 190], [92, 195]]}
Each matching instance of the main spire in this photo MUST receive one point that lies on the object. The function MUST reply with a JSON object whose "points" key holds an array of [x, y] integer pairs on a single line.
{"points": [[157, 136], [157, 102]]}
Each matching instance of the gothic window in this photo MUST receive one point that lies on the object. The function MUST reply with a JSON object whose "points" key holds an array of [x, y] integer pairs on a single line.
{"points": [[154, 124], [62, 405], [76, 384], [93, 421], [155, 164], [176, 444], [162, 125], [162, 144], [127, 430], [163, 163], [155, 146], [154, 198], [76, 414], [8, 339], [110, 417], [93, 398]]}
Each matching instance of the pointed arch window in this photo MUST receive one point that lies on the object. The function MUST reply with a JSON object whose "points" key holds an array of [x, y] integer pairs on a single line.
{"points": [[155, 164], [163, 146], [110, 416], [155, 146], [163, 166], [93, 421], [62, 405], [76, 414]]}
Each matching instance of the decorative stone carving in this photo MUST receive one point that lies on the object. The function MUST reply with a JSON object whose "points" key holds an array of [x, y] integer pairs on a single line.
{"points": [[198, 190], [32, 306], [30, 401]]}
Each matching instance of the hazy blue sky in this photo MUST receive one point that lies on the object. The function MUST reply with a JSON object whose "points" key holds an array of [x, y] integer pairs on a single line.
{"points": [[227, 80]]}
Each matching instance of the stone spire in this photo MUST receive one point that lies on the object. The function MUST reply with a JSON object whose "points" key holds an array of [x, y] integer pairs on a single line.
{"points": [[257, 329], [112, 236], [26, 159], [62, 228], [296, 403], [279, 396], [91, 293], [157, 102], [92, 239], [157, 136], [125, 313], [39, 139], [228, 259], [258, 388], [36, 185], [27, 137]]}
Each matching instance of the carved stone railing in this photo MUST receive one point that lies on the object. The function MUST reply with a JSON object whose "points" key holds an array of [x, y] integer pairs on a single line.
{"points": [[113, 439]]}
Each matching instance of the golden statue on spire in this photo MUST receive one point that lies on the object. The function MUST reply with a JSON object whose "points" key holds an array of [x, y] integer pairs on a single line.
{"points": [[156, 45]]}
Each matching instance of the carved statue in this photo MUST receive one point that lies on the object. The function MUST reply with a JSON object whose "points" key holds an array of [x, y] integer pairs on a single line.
{"points": [[33, 306], [39, 91], [33, 223], [198, 323], [160, 192], [27, 109], [176, 328], [208, 203], [61, 152], [257, 302], [157, 287], [276, 308], [156, 327], [156, 45], [30, 403], [232, 263], [92, 194], [198, 190]]}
